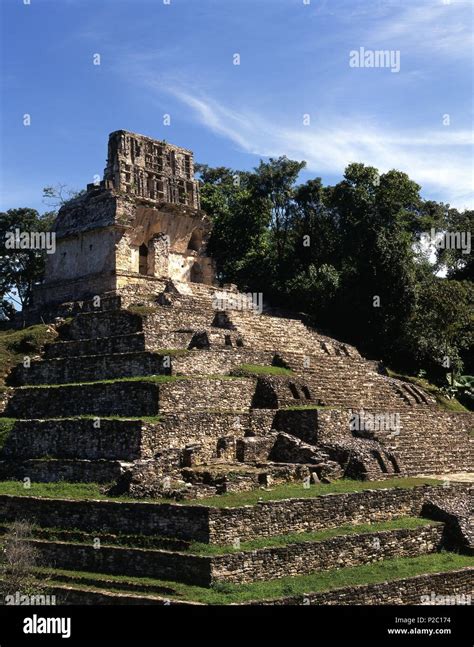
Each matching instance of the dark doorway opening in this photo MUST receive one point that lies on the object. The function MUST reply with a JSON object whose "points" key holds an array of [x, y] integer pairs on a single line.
{"points": [[143, 259]]}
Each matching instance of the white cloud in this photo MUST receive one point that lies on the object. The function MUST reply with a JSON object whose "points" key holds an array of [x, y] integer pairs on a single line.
{"points": [[432, 25], [439, 160]]}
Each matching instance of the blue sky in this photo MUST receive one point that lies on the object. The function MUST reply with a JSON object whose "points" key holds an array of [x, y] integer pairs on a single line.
{"points": [[177, 59]]}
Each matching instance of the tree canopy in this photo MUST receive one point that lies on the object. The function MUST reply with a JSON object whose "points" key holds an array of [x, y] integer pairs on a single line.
{"points": [[350, 257]]}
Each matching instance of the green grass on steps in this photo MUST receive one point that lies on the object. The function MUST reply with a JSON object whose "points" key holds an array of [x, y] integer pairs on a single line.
{"points": [[154, 542], [226, 593], [157, 418], [298, 491], [256, 369], [156, 379], [443, 401], [407, 523], [6, 425], [16, 344], [143, 310], [81, 491], [310, 407]]}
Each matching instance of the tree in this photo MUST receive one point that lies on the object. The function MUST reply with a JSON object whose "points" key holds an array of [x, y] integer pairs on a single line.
{"points": [[457, 257], [20, 269], [274, 183], [440, 330], [60, 194], [347, 255], [240, 220]]}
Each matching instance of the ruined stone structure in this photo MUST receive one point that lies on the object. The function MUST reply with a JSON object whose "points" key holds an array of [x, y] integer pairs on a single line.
{"points": [[142, 223], [159, 383]]}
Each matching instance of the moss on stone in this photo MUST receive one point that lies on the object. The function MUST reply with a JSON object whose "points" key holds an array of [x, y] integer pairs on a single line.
{"points": [[6, 426]]}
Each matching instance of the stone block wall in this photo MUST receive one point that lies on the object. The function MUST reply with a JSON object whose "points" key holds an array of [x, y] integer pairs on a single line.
{"points": [[136, 562], [222, 525], [414, 590], [89, 368], [317, 513], [101, 399], [207, 394], [83, 439], [163, 519], [338, 552]]}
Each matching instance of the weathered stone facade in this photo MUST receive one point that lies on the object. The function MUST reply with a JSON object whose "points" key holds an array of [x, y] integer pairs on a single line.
{"points": [[141, 223]]}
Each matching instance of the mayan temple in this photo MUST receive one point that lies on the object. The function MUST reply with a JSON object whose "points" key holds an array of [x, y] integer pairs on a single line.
{"points": [[189, 403]]}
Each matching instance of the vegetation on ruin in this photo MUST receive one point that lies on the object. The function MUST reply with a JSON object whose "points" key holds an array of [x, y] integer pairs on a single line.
{"points": [[407, 523], [6, 425], [155, 542], [256, 369], [299, 491], [18, 561], [20, 269], [450, 404], [226, 593], [142, 310], [309, 407], [80, 491], [16, 344], [156, 379], [157, 418]]}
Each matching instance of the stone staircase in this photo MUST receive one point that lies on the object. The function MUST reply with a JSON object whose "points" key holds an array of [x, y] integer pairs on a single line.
{"points": [[167, 551], [121, 387]]}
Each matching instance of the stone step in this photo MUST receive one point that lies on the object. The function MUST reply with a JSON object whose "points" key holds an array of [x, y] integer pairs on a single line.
{"points": [[80, 439], [329, 554], [90, 368], [120, 398], [69, 591], [240, 566], [102, 324], [132, 398], [219, 524], [48, 470], [118, 560], [133, 342]]}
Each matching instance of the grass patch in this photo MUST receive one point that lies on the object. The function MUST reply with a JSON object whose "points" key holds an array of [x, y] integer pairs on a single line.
{"points": [[80, 491], [157, 418], [155, 379], [77, 536], [6, 425], [15, 344], [322, 581], [297, 491], [155, 542], [444, 402], [142, 310], [320, 535], [61, 490], [255, 369], [310, 407]]}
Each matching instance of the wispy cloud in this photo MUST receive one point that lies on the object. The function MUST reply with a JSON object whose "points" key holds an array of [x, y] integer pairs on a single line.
{"points": [[430, 26], [440, 160]]}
